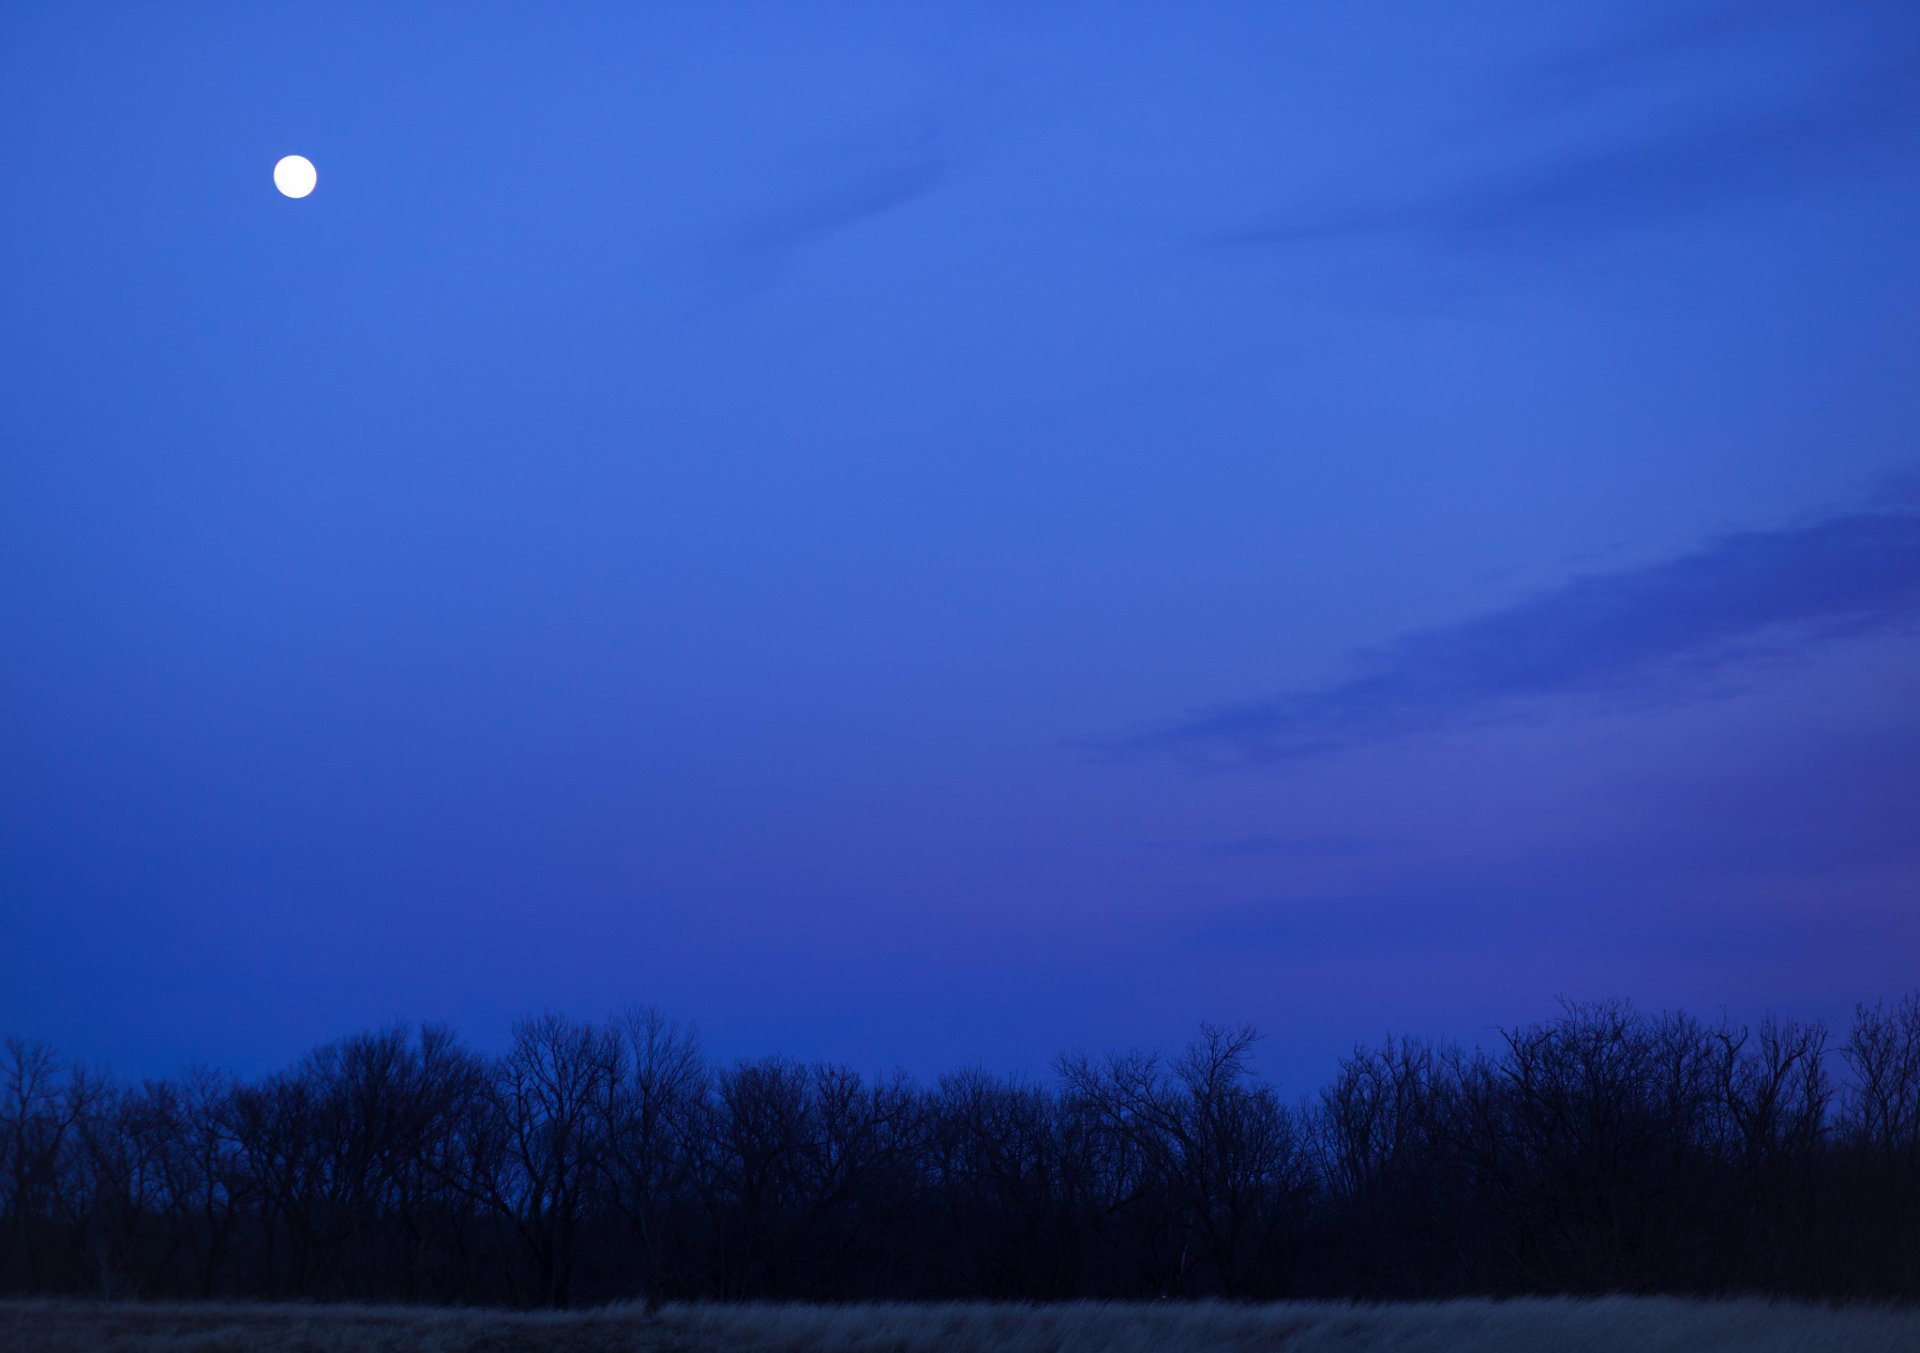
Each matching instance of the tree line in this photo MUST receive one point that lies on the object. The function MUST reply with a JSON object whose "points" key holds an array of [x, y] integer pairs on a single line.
{"points": [[1603, 1149]]}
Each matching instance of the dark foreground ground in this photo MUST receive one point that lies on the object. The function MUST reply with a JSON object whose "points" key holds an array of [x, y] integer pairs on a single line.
{"points": [[1606, 1325]]}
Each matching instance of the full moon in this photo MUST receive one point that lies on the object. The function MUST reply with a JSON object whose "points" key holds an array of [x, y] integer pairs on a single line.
{"points": [[295, 176]]}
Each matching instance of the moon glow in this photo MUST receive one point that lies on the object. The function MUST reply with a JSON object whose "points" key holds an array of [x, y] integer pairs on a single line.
{"points": [[295, 175]]}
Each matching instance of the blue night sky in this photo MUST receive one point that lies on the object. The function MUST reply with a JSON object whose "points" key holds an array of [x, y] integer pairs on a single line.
{"points": [[934, 535]]}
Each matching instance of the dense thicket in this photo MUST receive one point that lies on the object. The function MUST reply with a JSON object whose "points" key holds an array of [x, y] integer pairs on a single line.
{"points": [[1603, 1149]]}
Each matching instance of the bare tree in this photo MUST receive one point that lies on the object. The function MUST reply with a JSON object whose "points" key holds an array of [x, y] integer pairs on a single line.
{"points": [[1596, 1150], [550, 1091], [1881, 1124], [1228, 1155], [647, 1145], [41, 1101]]}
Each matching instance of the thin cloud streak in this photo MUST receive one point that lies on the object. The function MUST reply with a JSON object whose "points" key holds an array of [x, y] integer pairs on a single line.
{"points": [[1600, 190], [1273, 847], [1665, 633], [848, 204], [1713, 32], [753, 258], [1860, 117]]}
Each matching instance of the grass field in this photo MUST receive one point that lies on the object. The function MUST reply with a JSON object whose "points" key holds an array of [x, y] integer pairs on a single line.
{"points": [[1606, 1325]]}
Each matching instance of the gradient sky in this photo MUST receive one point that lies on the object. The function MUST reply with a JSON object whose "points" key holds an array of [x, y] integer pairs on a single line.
{"points": [[928, 535]]}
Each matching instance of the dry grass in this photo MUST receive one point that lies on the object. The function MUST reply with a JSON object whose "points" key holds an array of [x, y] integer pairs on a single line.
{"points": [[1607, 1325]]}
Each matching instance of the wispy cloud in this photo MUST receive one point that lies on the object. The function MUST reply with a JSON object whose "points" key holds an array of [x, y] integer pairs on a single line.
{"points": [[1806, 858], [847, 203], [1899, 488], [1274, 847], [1596, 190], [1717, 149], [1679, 630], [1681, 35], [881, 181]]}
